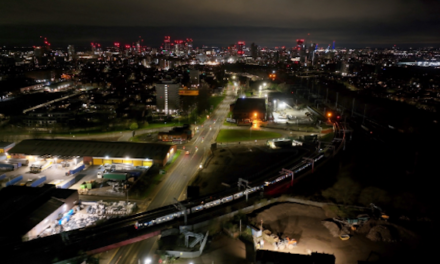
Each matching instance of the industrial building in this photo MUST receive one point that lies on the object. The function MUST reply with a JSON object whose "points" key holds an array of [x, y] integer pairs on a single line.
{"points": [[177, 134], [27, 211], [248, 109], [93, 152]]}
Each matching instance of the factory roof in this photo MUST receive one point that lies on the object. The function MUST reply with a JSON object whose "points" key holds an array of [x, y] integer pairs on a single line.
{"points": [[64, 147]]}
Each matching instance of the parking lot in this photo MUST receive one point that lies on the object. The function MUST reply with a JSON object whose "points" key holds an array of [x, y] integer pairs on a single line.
{"points": [[54, 174]]}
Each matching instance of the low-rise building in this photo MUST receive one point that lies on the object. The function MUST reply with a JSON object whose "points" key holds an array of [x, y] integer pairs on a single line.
{"points": [[27, 211], [248, 109], [177, 134]]}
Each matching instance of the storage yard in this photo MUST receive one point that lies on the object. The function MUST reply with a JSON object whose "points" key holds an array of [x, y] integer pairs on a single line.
{"points": [[89, 213]]}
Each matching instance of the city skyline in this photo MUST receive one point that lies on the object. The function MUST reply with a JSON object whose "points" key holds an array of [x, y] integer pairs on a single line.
{"points": [[375, 24]]}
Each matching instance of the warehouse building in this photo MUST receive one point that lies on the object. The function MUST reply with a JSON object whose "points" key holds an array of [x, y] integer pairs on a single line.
{"points": [[5, 147], [94, 152], [28, 211], [248, 109]]}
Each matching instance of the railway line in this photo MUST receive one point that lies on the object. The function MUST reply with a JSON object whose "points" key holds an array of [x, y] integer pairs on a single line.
{"points": [[117, 230]]}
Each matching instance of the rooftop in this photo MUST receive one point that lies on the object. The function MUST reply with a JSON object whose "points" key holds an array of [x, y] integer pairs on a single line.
{"points": [[250, 104], [65, 147], [24, 207]]}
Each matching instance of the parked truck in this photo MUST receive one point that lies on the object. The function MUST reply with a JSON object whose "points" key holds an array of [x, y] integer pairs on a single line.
{"points": [[40, 166], [23, 162], [8, 182], [9, 167]]}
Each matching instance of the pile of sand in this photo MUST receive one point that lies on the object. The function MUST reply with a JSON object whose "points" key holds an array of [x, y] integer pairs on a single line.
{"points": [[333, 227], [366, 227], [380, 233]]}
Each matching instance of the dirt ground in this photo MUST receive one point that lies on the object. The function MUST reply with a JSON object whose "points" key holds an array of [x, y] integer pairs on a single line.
{"points": [[303, 223], [239, 161]]}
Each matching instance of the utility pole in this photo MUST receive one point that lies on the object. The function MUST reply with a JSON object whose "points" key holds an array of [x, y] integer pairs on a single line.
{"points": [[245, 184], [180, 207], [336, 104], [288, 172], [311, 161]]}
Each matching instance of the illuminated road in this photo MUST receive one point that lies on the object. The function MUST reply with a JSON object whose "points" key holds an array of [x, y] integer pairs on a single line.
{"points": [[175, 184]]}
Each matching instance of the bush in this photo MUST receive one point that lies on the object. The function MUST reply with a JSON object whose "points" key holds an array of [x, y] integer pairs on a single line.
{"points": [[134, 126]]}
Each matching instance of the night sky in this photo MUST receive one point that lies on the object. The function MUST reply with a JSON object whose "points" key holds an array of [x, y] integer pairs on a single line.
{"points": [[352, 23]]}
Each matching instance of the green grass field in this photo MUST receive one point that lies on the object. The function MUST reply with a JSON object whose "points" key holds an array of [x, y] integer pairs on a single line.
{"points": [[234, 135]]}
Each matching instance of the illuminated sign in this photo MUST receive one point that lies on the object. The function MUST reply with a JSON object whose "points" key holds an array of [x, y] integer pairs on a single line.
{"points": [[185, 92]]}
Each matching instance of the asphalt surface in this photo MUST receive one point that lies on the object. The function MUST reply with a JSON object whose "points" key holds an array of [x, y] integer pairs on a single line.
{"points": [[174, 186]]}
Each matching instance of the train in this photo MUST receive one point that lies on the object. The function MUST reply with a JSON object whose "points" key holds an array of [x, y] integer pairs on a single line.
{"points": [[226, 199]]}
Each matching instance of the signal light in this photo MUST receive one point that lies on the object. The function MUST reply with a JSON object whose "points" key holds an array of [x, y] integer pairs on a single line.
{"points": [[337, 117]]}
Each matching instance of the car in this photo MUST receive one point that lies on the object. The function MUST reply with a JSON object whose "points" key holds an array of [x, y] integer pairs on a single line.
{"points": [[187, 152]]}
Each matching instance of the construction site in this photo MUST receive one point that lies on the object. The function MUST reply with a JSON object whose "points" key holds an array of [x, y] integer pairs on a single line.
{"points": [[304, 229]]}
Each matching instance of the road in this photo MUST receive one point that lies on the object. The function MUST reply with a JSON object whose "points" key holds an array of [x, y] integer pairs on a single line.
{"points": [[174, 186]]}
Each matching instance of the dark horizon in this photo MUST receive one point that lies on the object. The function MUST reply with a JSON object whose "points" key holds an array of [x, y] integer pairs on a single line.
{"points": [[353, 24], [61, 36]]}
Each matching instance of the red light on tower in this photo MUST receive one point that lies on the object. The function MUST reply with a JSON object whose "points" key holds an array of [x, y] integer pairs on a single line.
{"points": [[240, 48]]}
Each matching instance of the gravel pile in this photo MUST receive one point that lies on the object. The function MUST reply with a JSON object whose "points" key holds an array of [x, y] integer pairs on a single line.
{"points": [[333, 227], [380, 233]]}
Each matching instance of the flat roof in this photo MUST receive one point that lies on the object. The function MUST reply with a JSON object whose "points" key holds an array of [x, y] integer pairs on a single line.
{"points": [[24, 207], [83, 148], [250, 104], [4, 144]]}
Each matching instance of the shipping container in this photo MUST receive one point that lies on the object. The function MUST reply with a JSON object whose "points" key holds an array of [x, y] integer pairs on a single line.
{"points": [[39, 181], [13, 181], [24, 162], [131, 173], [115, 176], [6, 166], [80, 168]]}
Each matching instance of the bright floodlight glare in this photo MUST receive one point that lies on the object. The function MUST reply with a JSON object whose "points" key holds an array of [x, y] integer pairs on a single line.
{"points": [[283, 104], [148, 261], [264, 84]]}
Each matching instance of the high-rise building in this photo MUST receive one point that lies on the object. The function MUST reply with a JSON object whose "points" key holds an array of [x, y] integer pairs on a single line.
{"points": [[240, 47], [167, 97], [167, 43], [189, 44], [194, 77], [178, 46]]}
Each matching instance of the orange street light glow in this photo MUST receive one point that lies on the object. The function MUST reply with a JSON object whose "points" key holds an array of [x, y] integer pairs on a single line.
{"points": [[329, 114]]}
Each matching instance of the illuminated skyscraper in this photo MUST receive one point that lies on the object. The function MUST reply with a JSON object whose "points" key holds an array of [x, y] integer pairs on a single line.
{"points": [[167, 43], [240, 48]]}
